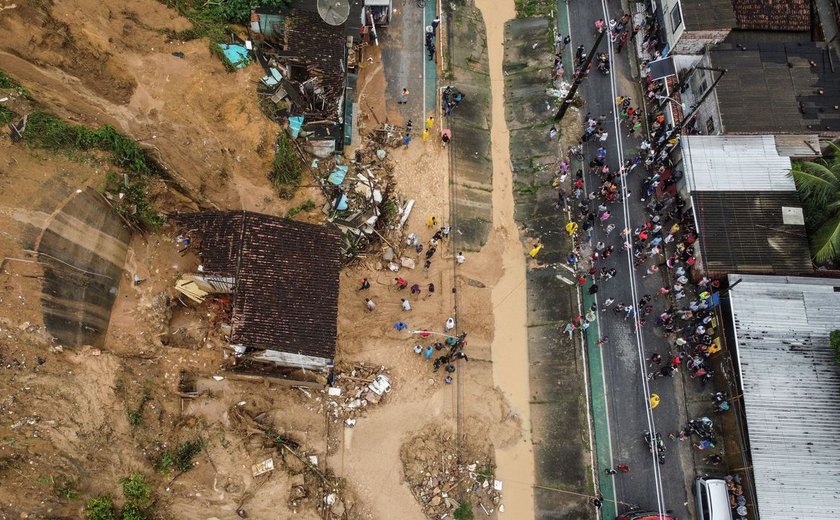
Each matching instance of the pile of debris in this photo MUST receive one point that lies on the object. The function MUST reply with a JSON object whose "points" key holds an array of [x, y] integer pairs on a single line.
{"points": [[435, 476], [305, 78], [354, 389], [310, 485], [363, 200]]}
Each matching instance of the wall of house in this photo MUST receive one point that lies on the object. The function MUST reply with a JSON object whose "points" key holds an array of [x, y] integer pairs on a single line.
{"points": [[288, 359], [708, 120], [694, 42], [672, 12]]}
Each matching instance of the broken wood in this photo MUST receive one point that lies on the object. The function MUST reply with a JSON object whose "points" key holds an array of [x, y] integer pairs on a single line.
{"points": [[271, 379]]}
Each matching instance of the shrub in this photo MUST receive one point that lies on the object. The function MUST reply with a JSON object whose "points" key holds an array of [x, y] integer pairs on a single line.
{"points": [[136, 489], [286, 168], [187, 451], [464, 512], [101, 508], [834, 340], [132, 511]]}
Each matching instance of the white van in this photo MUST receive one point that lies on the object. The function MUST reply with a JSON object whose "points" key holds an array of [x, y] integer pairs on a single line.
{"points": [[712, 499]]}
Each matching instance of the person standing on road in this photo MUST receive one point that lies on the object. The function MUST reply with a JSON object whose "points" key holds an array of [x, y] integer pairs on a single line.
{"points": [[435, 24], [370, 305], [403, 97]]}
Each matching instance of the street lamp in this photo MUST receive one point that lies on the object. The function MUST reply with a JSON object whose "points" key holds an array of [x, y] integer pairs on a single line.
{"points": [[664, 98]]}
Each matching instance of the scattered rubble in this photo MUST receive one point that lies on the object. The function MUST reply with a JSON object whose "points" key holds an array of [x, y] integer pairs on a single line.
{"points": [[310, 483], [440, 483], [354, 389]]}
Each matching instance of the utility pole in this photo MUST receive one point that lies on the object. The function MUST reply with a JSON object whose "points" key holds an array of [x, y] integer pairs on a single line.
{"points": [[571, 95], [678, 126]]}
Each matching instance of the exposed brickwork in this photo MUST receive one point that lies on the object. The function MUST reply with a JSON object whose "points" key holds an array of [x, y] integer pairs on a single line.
{"points": [[773, 15]]}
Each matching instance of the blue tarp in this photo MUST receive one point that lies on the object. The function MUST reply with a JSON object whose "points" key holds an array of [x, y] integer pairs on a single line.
{"points": [[342, 203], [237, 55], [337, 177], [295, 122]]}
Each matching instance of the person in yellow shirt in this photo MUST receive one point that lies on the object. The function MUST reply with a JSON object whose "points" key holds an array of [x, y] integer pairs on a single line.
{"points": [[425, 135], [536, 250], [571, 227], [430, 122]]}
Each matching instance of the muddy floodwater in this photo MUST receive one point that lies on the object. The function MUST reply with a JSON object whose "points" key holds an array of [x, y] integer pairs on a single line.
{"points": [[510, 341]]}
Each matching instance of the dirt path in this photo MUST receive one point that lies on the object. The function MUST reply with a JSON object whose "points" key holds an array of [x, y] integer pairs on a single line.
{"points": [[510, 345]]}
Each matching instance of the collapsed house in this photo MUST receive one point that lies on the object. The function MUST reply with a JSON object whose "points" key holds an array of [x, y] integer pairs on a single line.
{"points": [[310, 68], [282, 276]]}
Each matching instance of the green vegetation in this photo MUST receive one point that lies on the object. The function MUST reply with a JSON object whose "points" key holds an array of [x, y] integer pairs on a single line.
{"points": [[132, 511], [309, 205], [46, 131], [6, 115], [138, 496], [286, 169], [210, 20], [464, 512], [818, 184], [526, 8], [8, 83], [834, 341], [135, 417], [101, 508], [181, 459], [136, 489]]}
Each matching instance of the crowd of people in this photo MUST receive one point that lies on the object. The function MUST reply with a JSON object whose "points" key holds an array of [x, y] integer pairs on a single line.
{"points": [[662, 246], [454, 344]]}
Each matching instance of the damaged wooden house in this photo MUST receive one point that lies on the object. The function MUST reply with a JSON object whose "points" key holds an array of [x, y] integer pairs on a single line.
{"points": [[282, 278], [310, 60]]}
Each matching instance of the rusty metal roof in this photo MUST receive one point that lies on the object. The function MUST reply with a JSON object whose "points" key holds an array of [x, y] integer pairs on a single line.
{"points": [[745, 231]]}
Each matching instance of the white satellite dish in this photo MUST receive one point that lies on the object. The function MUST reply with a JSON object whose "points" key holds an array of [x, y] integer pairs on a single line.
{"points": [[334, 12]]}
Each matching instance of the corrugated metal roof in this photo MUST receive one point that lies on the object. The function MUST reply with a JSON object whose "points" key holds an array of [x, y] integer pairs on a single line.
{"points": [[790, 390], [745, 231], [798, 146], [735, 163]]}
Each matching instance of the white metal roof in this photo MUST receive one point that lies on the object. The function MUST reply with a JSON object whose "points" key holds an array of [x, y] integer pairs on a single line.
{"points": [[735, 163], [791, 392]]}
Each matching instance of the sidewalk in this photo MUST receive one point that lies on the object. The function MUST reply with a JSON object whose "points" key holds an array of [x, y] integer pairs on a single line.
{"points": [[564, 484], [472, 212]]}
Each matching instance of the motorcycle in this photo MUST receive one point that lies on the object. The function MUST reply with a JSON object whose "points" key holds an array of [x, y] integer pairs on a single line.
{"points": [[656, 445], [603, 63]]}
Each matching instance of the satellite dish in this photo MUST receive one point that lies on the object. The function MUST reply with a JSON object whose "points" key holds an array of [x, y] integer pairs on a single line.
{"points": [[334, 12]]}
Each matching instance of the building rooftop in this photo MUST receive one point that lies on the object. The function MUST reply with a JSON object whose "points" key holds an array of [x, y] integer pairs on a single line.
{"points": [[286, 272], [784, 88], [773, 15], [752, 232], [707, 15], [790, 386], [735, 163]]}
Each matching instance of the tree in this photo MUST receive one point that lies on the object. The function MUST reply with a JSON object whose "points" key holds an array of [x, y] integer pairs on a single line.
{"points": [[834, 341], [818, 183]]}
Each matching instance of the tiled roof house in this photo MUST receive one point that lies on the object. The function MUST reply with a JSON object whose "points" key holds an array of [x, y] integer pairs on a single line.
{"points": [[773, 15], [284, 278]]}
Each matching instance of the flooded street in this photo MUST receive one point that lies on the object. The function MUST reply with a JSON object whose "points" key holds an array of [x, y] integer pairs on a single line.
{"points": [[510, 350]]}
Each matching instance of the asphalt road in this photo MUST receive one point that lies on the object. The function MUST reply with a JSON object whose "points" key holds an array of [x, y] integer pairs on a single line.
{"points": [[626, 352]]}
